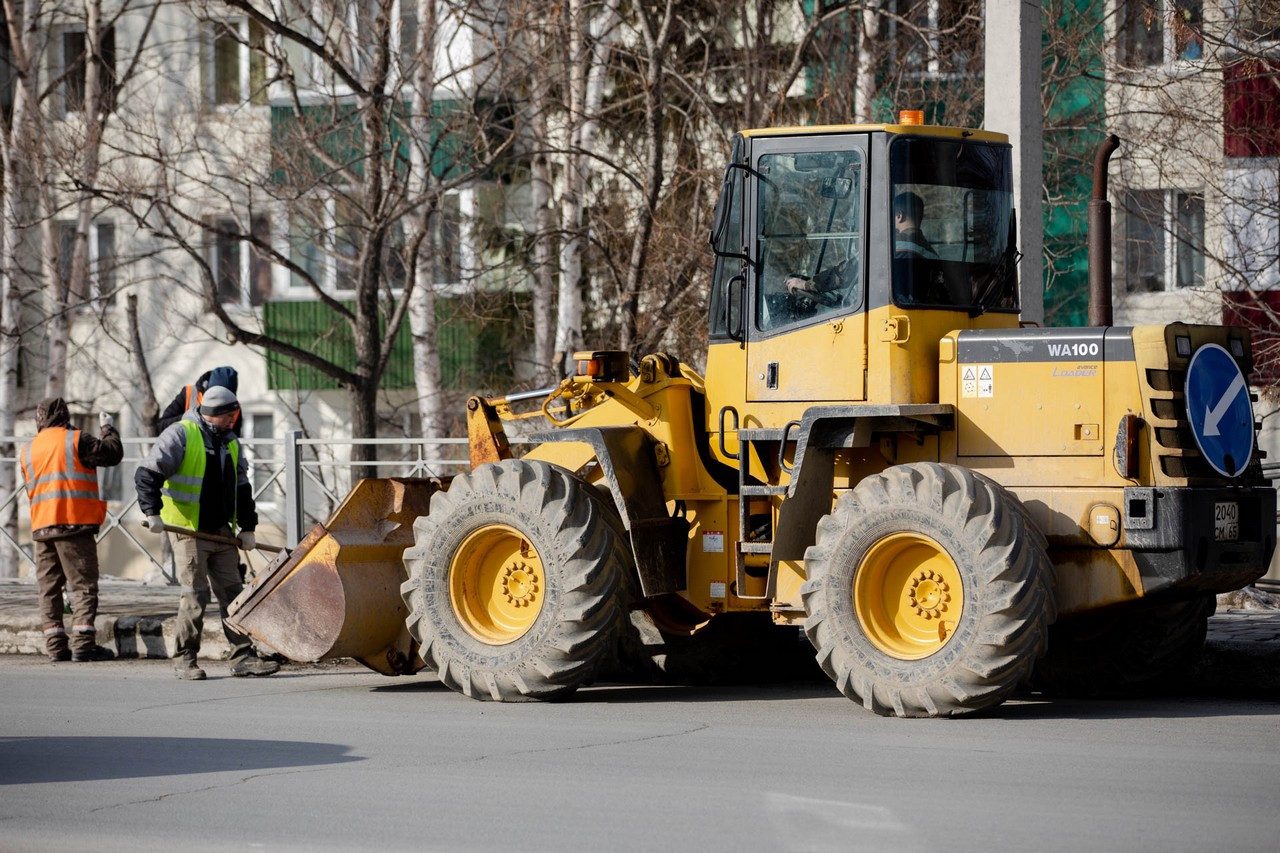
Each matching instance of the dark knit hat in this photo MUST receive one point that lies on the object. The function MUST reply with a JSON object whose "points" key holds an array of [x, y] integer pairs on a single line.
{"points": [[225, 377], [218, 401]]}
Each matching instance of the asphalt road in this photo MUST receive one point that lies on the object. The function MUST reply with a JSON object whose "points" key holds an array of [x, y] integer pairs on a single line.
{"points": [[122, 756]]}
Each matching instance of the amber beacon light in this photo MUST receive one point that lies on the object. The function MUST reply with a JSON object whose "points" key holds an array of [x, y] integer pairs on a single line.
{"points": [[911, 117]]}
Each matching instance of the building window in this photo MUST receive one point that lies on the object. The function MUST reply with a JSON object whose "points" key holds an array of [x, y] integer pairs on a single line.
{"points": [[306, 244], [100, 281], [263, 458], [1257, 20], [1164, 240], [235, 64], [110, 480], [1158, 32], [241, 274], [71, 68], [324, 244], [933, 37], [326, 238]]}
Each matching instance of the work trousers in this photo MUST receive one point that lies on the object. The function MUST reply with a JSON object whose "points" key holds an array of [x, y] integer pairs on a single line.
{"points": [[68, 562], [205, 567]]}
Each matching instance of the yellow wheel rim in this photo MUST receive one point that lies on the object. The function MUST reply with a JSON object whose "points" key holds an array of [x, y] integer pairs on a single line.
{"points": [[496, 584], [908, 595]]}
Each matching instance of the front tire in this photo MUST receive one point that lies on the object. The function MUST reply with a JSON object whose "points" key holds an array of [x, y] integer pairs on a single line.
{"points": [[926, 594], [513, 583]]}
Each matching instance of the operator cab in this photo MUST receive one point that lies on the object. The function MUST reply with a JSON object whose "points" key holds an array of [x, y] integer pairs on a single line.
{"points": [[807, 229]]}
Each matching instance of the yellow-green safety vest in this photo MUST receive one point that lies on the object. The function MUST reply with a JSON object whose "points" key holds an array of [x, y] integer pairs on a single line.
{"points": [[180, 494]]}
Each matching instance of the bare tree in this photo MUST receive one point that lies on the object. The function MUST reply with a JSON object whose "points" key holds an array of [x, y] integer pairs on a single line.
{"points": [[356, 145]]}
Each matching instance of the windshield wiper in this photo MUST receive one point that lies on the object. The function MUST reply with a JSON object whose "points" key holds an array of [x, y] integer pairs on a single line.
{"points": [[991, 288]]}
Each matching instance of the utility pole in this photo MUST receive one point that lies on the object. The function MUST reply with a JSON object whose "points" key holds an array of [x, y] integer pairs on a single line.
{"points": [[1013, 106]]}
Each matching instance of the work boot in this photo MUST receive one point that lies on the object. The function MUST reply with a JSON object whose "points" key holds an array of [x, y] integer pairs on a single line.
{"points": [[188, 671], [59, 655], [92, 654], [254, 665]]}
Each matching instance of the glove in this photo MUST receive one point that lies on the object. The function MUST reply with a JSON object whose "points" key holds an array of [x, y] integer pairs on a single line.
{"points": [[247, 540], [155, 524], [105, 420]]}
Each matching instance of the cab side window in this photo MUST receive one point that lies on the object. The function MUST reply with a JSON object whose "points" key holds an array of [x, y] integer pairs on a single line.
{"points": [[809, 215]]}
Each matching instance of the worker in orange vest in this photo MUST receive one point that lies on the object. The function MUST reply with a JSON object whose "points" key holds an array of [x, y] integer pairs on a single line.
{"points": [[188, 399], [60, 469]]}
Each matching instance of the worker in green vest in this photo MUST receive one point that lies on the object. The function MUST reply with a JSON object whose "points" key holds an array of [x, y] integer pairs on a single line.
{"points": [[196, 478]]}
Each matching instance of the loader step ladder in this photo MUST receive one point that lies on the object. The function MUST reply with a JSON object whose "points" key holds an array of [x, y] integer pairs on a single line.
{"points": [[746, 491]]}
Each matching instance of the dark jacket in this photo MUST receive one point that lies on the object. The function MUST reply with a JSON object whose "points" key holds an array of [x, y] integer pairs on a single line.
{"points": [[188, 395], [101, 451], [223, 490]]}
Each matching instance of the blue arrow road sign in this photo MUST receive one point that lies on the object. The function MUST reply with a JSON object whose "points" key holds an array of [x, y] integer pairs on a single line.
{"points": [[1219, 409]]}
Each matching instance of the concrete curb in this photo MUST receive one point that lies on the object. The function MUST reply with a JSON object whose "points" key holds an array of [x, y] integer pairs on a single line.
{"points": [[134, 620]]}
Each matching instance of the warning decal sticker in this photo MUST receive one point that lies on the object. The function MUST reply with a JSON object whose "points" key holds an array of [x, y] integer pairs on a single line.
{"points": [[977, 380]]}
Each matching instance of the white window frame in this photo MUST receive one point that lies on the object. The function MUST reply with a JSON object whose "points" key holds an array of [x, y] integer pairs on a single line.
{"points": [[1169, 59], [244, 53], [328, 279], [313, 77], [110, 481], [327, 247], [96, 297], [245, 261], [59, 63], [269, 460], [1170, 234]]}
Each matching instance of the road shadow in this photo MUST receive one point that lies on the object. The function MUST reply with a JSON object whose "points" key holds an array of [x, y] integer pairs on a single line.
{"points": [[30, 760], [1185, 702], [1167, 707]]}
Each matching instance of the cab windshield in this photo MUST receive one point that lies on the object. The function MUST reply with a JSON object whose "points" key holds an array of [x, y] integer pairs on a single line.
{"points": [[954, 241]]}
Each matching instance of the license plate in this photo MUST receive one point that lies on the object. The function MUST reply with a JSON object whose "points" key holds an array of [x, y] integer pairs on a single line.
{"points": [[1226, 521]]}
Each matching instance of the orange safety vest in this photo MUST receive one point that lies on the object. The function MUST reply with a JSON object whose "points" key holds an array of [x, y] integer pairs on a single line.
{"points": [[61, 489]]}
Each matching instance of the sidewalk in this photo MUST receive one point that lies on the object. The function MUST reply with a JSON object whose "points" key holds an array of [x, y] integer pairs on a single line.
{"points": [[1241, 654]]}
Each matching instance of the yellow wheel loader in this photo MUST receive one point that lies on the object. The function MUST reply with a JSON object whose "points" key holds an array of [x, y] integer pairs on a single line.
{"points": [[950, 504]]}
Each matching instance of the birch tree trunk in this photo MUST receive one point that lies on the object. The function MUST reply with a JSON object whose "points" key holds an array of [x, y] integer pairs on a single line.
{"points": [[19, 147], [543, 272], [428, 376], [866, 24], [589, 42], [63, 292], [656, 36]]}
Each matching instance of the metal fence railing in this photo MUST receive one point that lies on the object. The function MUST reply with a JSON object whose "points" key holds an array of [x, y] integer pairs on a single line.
{"points": [[297, 482]]}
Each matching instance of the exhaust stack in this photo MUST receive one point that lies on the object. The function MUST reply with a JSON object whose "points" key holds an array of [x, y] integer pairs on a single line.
{"points": [[1100, 237]]}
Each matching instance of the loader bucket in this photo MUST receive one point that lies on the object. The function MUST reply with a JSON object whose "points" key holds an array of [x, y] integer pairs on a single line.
{"points": [[338, 593]]}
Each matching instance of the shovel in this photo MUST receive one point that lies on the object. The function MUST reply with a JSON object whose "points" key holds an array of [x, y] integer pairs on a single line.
{"points": [[225, 540]]}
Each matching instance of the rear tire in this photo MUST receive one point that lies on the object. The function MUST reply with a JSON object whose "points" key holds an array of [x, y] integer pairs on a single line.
{"points": [[926, 596], [1123, 652], [513, 582]]}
